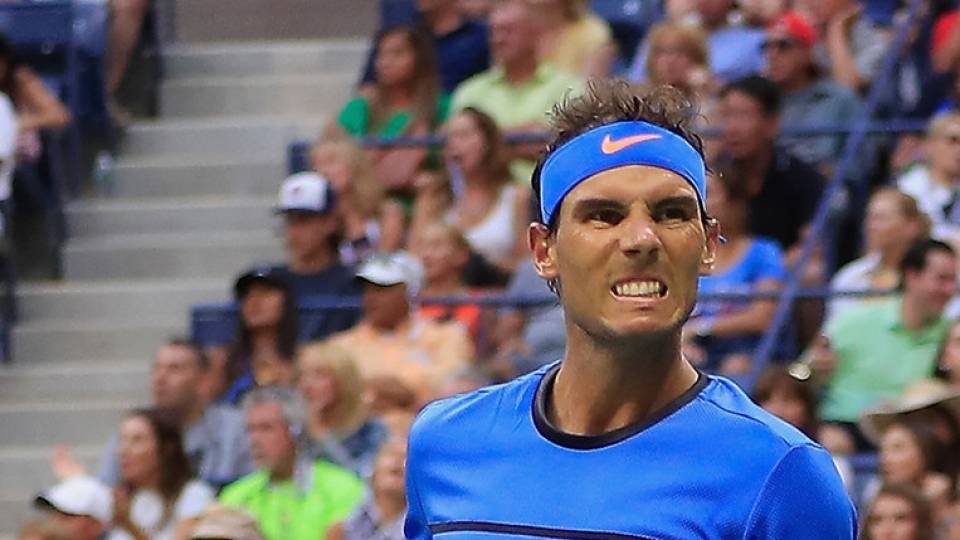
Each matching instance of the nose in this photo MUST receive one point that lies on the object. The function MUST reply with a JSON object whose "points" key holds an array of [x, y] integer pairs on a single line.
{"points": [[639, 238]]}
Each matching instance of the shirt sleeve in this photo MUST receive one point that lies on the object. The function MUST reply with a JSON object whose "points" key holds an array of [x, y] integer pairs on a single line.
{"points": [[194, 499], [416, 525], [803, 498], [354, 117], [768, 261], [8, 129]]}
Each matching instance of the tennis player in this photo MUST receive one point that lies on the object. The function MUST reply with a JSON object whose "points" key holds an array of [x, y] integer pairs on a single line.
{"points": [[623, 438]]}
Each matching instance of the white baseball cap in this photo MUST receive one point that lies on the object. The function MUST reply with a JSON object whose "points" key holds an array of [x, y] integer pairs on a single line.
{"points": [[386, 269], [306, 192], [79, 496]]}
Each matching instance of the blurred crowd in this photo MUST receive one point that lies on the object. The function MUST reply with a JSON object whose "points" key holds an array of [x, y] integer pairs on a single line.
{"points": [[296, 428]]}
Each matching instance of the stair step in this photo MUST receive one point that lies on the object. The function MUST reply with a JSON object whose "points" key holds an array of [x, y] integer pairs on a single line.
{"points": [[229, 136], [221, 254], [79, 341], [78, 381], [26, 470], [198, 176], [39, 423], [308, 95], [266, 58], [98, 217]]}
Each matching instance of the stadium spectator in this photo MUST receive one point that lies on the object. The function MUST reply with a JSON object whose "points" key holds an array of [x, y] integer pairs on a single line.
{"points": [[678, 56], [371, 221], [126, 22], [893, 223], [339, 427], [157, 497], [445, 255], [267, 329], [934, 183], [574, 39], [218, 522], [948, 364], [734, 49], [935, 405], [460, 42], [292, 496], [945, 42], [8, 158], [783, 190], [898, 512], [213, 435], [761, 13], [730, 330], [405, 100], [380, 516], [531, 336], [909, 450], [873, 353], [809, 99], [853, 45], [44, 530], [35, 106], [80, 505], [517, 91], [490, 210], [311, 225], [792, 400], [393, 343]]}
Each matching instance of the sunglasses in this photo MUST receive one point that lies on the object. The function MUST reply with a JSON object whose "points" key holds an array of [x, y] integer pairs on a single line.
{"points": [[777, 44]]}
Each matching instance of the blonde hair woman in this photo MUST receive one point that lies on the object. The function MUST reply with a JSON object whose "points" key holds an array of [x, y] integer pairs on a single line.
{"points": [[371, 221], [678, 56], [574, 39], [339, 428]]}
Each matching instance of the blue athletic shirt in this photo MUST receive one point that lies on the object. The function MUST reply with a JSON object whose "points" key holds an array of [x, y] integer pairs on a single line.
{"points": [[488, 465]]}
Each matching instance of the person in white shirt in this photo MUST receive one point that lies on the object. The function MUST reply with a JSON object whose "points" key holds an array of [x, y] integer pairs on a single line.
{"points": [[935, 183], [8, 145]]}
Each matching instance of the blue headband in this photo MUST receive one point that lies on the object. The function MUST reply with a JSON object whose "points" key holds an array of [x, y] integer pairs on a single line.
{"points": [[617, 145]]}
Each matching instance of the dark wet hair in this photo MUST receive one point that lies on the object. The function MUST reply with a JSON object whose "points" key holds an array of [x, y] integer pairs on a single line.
{"points": [[915, 260]]}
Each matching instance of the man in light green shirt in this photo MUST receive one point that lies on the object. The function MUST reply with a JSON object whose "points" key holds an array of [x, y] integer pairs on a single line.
{"points": [[517, 92], [292, 498], [872, 353]]}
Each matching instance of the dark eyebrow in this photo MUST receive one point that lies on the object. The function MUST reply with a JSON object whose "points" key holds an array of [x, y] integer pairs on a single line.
{"points": [[679, 200]]}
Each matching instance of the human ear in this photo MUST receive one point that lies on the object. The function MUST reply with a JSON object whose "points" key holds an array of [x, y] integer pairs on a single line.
{"points": [[541, 243], [708, 258]]}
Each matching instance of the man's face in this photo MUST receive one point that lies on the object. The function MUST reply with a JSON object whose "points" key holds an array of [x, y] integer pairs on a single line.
{"points": [[943, 150], [175, 378], [934, 285], [78, 527], [628, 250], [308, 233], [512, 34], [746, 130], [385, 307], [271, 443], [787, 60]]}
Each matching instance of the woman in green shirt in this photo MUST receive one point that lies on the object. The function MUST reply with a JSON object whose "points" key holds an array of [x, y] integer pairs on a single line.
{"points": [[405, 100]]}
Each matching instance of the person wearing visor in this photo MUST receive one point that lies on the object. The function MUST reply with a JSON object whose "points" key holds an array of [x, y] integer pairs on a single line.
{"points": [[396, 349], [622, 438], [311, 229]]}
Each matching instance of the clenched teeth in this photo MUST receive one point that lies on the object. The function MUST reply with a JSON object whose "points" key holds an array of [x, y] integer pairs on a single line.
{"points": [[639, 289]]}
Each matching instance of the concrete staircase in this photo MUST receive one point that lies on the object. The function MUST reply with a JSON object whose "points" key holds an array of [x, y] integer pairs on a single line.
{"points": [[190, 207]]}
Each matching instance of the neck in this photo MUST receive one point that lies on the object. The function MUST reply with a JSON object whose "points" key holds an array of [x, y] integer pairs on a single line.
{"points": [[943, 178], [444, 20], [754, 168], [393, 326], [449, 284], [797, 83], [284, 470], [892, 257], [915, 316], [396, 96], [389, 505], [521, 70], [326, 419], [313, 263], [192, 413], [601, 388], [264, 339]]}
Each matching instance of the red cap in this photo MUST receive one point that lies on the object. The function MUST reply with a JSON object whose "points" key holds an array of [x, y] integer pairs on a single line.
{"points": [[942, 30], [796, 26]]}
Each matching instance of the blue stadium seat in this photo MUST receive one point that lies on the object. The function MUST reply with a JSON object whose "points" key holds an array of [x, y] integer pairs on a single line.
{"points": [[629, 20], [298, 156]]}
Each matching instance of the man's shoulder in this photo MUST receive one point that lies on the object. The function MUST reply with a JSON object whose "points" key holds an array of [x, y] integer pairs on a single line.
{"points": [[238, 492], [453, 416], [737, 416]]}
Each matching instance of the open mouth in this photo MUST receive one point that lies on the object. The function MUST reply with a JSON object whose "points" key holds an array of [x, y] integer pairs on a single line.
{"points": [[651, 289]]}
